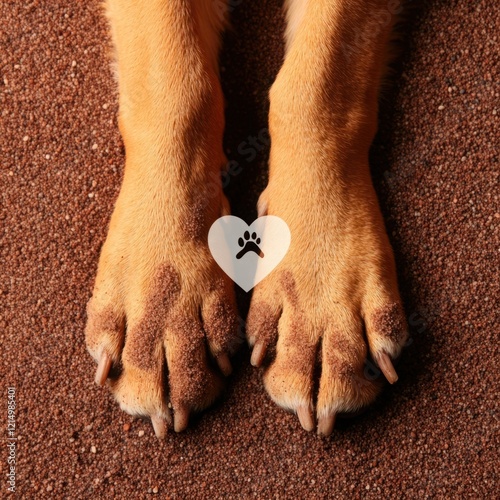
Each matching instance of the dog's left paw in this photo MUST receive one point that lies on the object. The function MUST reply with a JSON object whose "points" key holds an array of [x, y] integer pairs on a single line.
{"points": [[333, 301]]}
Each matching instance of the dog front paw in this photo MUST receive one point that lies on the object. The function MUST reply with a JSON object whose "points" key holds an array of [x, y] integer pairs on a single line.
{"points": [[162, 319], [333, 304]]}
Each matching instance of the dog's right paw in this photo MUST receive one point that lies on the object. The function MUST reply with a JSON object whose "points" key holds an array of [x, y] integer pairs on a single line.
{"points": [[162, 319]]}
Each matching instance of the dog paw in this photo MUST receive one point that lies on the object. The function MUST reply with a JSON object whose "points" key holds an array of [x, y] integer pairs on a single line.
{"points": [[162, 320], [330, 306]]}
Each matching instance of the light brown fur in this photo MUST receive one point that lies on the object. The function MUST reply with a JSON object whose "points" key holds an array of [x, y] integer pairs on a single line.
{"points": [[338, 276]]}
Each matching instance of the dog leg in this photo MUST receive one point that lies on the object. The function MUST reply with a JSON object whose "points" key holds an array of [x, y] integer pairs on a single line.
{"points": [[334, 299], [161, 308]]}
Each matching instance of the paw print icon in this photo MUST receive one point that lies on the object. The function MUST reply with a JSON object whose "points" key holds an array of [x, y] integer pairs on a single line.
{"points": [[250, 243]]}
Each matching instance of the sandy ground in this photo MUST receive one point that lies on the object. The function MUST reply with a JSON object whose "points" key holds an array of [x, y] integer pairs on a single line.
{"points": [[435, 166]]}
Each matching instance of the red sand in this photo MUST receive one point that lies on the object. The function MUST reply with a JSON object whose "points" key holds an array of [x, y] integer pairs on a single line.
{"points": [[435, 165]]}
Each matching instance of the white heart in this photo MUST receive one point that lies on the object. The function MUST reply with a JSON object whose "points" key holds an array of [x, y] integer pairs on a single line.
{"points": [[227, 242]]}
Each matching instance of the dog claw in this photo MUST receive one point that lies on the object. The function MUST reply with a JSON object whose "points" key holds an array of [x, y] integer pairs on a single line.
{"points": [[385, 364], [305, 418], [224, 364], [326, 425], [258, 354], [181, 419], [103, 368], [159, 426]]}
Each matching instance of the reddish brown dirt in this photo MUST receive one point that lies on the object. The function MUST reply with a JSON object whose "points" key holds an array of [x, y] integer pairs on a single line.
{"points": [[435, 164]]}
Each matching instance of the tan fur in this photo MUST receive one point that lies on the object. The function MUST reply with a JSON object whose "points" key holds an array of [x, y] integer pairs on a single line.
{"points": [[295, 11], [171, 120], [323, 117], [337, 282]]}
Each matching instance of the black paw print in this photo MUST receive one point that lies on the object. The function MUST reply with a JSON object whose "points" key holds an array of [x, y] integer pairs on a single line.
{"points": [[250, 243]]}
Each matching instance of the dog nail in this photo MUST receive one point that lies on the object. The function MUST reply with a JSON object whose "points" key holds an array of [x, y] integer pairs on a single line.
{"points": [[159, 426], [385, 364], [103, 368], [305, 418], [258, 354], [181, 419], [325, 425]]}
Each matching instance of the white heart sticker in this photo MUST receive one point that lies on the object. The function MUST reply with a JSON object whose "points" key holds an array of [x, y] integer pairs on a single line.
{"points": [[247, 254]]}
